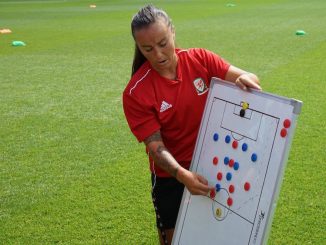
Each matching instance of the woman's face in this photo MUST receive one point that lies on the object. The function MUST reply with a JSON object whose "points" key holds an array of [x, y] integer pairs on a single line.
{"points": [[156, 42]]}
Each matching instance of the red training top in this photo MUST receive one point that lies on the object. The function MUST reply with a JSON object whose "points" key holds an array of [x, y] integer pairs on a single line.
{"points": [[175, 107]]}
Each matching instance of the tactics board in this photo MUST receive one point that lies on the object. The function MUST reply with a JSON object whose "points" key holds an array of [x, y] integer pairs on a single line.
{"points": [[242, 149]]}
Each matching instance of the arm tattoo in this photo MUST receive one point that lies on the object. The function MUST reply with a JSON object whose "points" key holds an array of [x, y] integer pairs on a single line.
{"points": [[154, 137], [163, 158]]}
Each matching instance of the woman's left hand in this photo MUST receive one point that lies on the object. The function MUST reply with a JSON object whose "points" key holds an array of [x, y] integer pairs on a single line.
{"points": [[246, 80], [242, 79]]}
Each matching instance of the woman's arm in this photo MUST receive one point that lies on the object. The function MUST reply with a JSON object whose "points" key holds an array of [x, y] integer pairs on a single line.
{"points": [[196, 184], [242, 79]]}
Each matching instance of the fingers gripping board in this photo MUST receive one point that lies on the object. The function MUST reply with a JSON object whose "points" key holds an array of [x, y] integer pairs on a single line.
{"points": [[241, 149]]}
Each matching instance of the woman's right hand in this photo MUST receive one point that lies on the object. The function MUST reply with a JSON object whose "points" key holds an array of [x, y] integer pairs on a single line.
{"points": [[195, 183]]}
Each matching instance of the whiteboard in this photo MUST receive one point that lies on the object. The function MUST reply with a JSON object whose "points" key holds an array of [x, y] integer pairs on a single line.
{"points": [[242, 150]]}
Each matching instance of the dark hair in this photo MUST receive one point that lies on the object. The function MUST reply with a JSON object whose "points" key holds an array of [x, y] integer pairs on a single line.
{"points": [[145, 16]]}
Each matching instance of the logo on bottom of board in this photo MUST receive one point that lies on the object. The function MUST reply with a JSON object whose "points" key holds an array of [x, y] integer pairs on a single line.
{"points": [[260, 219]]}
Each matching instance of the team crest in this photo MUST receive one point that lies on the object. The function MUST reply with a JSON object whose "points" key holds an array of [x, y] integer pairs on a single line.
{"points": [[200, 86]]}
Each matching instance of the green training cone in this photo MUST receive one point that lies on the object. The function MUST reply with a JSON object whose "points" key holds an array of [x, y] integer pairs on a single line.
{"points": [[18, 43], [300, 33]]}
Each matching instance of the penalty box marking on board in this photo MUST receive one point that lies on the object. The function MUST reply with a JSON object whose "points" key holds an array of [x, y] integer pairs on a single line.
{"points": [[232, 119], [228, 210]]}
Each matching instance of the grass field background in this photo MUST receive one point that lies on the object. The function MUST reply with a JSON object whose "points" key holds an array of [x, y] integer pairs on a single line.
{"points": [[70, 170]]}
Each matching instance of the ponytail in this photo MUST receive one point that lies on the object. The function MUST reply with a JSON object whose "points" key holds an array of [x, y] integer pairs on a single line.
{"points": [[139, 60], [145, 16]]}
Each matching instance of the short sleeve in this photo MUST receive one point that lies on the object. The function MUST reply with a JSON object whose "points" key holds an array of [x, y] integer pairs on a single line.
{"points": [[215, 65], [141, 116]]}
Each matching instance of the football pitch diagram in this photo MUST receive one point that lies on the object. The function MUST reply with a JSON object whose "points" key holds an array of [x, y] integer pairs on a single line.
{"points": [[241, 150]]}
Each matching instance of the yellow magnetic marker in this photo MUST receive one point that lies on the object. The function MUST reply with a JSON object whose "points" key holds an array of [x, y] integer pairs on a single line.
{"points": [[218, 212], [245, 105]]}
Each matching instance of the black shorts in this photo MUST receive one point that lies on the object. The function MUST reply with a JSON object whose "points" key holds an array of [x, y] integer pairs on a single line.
{"points": [[167, 195]]}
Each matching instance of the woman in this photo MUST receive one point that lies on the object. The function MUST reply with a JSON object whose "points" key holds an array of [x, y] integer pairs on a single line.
{"points": [[164, 102]]}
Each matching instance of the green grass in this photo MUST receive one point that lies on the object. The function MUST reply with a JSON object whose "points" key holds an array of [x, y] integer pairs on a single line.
{"points": [[70, 170]]}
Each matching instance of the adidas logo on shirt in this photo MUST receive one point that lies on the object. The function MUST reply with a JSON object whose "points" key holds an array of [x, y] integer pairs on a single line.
{"points": [[164, 106]]}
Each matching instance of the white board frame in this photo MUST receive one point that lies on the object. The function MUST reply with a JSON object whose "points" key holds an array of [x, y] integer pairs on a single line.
{"points": [[216, 87]]}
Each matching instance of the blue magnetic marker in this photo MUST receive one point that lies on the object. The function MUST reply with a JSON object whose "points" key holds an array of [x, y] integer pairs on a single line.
{"points": [[215, 137], [226, 160], [218, 187], [227, 139], [254, 157], [236, 166], [229, 176]]}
